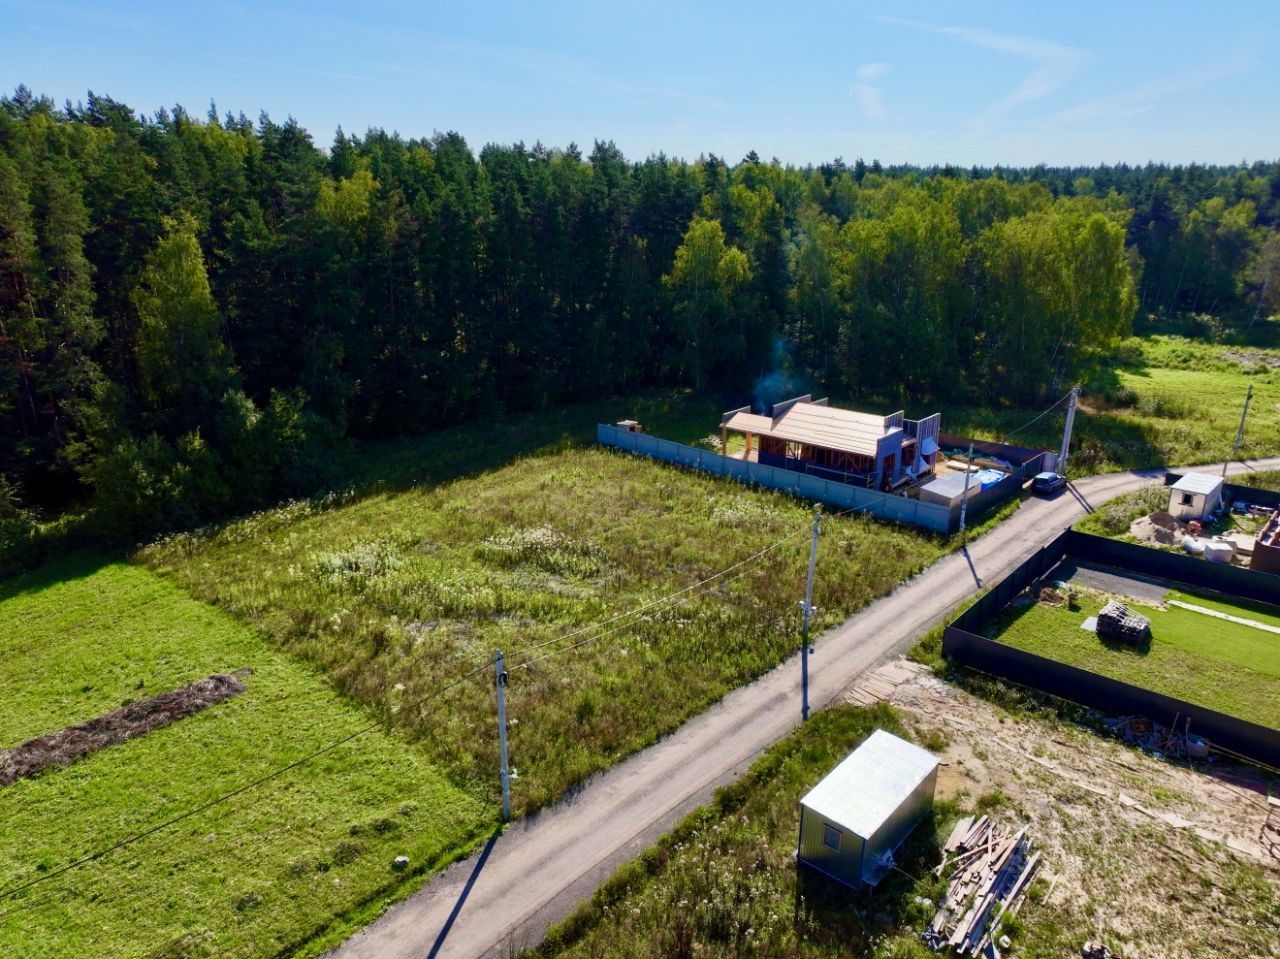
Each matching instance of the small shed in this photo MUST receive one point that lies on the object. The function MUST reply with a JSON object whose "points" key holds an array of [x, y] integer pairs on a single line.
{"points": [[1195, 496], [852, 821]]}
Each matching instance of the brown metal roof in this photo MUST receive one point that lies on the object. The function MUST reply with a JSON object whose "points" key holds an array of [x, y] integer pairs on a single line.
{"points": [[826, 426]]}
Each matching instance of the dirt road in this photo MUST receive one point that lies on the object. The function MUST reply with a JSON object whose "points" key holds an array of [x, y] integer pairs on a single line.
{"points": [[536, 872]]}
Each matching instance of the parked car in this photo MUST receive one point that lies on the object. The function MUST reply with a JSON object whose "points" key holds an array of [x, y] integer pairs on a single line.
{"points": [[1046, 484]]}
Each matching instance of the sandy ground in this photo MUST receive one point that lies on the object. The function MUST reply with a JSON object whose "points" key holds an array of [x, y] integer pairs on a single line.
{"points": [[1161, 860]]}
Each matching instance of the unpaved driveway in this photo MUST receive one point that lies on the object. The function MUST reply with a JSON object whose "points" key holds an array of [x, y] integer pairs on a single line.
{"points": [[540, 868]]}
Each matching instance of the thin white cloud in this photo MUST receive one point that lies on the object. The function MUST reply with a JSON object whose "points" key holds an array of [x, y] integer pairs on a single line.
{"points": [[869, 96], [1121, 106], [1054, 64]]}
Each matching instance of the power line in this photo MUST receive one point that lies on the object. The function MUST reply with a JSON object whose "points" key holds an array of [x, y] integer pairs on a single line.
{"points": [[631, 616], [239, 790], [663, 599], [1039, 416], [680, 602], [619, 628]]}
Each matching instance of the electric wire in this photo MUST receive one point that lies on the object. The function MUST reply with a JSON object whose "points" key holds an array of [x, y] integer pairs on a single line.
{"points": [[662, 599], [1037, 417], [231, 794], [757, 557], [524, 664], [14, 890]]}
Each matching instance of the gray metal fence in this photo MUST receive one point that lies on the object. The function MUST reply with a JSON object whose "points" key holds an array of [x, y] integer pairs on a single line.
{"points": [[931, 516]]}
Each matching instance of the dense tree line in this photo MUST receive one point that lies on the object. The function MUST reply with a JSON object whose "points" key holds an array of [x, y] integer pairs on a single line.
{"points": [[193, 312]]}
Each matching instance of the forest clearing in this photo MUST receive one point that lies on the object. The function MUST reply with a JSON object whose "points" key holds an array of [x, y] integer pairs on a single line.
{"points": [[321, 594]]}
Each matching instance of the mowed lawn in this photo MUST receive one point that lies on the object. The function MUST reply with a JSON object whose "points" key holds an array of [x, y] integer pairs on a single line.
{"points": [[307, 853], [1202, 659], [397, 593]]}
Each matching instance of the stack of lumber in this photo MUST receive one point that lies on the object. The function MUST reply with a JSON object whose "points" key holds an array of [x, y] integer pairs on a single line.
{"points": [[992, 869], [1117, 622]]}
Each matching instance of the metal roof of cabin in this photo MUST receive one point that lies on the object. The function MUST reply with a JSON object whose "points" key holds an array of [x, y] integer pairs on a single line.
{"points": [[818, 425], [1201, 483], [872, 782]]}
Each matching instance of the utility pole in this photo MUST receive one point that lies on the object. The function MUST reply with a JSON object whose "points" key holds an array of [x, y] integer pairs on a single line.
{"points": [[806, 607], [500, 675], [1066, 430], [964, 497], [1235, 453]]}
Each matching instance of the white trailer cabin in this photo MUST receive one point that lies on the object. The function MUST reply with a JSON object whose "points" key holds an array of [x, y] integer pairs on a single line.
{"points": [[852, 822], [1195, 496]]}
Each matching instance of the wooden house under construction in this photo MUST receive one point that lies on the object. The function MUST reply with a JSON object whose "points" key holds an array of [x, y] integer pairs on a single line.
{"points": [[811, 436]]}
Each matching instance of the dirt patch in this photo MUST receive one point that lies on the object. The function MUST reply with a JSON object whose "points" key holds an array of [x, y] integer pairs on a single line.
{"points": [[128, 722], [1160, 860], [1051, 597], [1251, 359]]}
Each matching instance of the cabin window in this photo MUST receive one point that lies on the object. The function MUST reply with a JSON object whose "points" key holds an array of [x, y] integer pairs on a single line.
{"points": [[1188, 499], [831, 837]]}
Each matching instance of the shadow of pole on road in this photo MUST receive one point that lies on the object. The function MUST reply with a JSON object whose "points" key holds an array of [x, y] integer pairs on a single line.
{"points": [[466, 891]]}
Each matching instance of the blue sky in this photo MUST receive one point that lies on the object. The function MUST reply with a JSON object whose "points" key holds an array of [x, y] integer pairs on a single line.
{"points": [[1012, 82]]}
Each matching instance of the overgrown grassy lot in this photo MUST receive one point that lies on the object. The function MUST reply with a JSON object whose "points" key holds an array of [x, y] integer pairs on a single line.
{"points": [[1166, 401], [307, 853], [1212, 662], [725, 882], [395, 594]]}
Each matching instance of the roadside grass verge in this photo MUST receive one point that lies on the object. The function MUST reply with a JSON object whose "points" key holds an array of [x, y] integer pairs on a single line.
{"points": [[396, 593], [1113, 518], [263, 874], [725, 881], [1212, 662]]}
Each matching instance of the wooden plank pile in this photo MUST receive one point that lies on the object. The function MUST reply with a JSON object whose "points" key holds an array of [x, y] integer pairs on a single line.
{"points": [[1115, 621], [1153, 737], [992, 869]]}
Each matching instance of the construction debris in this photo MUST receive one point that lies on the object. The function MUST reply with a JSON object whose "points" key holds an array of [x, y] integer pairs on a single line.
{"points": [[1155, 738], [131, 720], [1116, 622], [1051, 597], [991, 872]]}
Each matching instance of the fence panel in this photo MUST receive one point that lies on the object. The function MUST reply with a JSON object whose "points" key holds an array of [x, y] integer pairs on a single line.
{"points": [[962, 642], [1185, 570], [885, 505], [1110, 696]]}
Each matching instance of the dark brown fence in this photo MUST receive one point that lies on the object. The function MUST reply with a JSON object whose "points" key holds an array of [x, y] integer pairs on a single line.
{"points": [[963, 643]]}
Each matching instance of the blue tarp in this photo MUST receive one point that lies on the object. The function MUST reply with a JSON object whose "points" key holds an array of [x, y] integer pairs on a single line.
{"points": [[951, 485]]}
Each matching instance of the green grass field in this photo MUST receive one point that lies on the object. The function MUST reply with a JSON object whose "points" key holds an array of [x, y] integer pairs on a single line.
{"points": [[396, 593], [297, 860], [1208, 661], [1166, 400]]}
